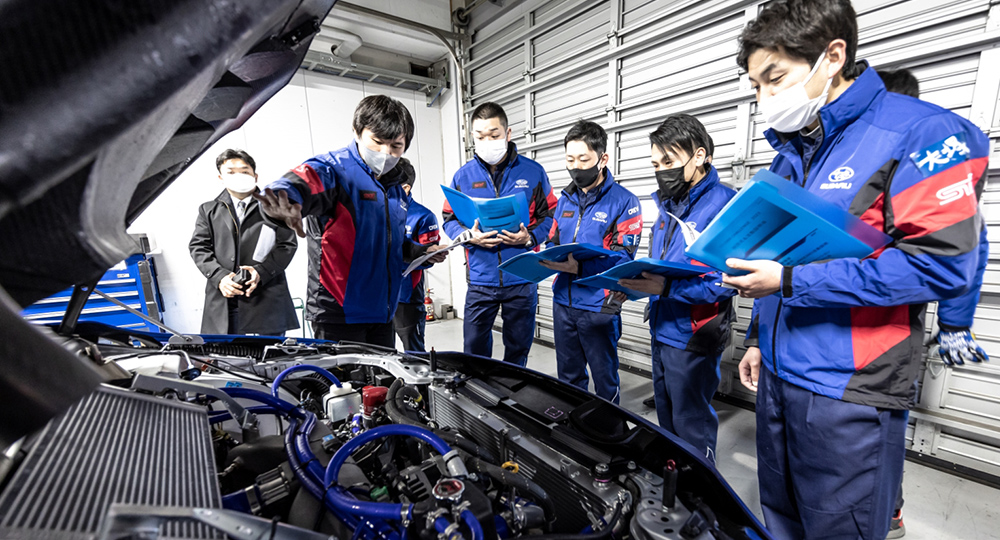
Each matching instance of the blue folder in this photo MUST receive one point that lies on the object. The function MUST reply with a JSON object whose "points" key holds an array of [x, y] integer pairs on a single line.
{"points": [[774, 219], [529, 265], [500, 214], [634, 269]]}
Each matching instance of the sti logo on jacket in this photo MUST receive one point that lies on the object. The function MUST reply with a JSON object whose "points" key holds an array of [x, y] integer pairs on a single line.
{"points": [[851, 329]]}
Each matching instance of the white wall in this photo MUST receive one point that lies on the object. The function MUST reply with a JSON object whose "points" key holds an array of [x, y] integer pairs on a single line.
{"points": [[310, 116], [454, 157]]}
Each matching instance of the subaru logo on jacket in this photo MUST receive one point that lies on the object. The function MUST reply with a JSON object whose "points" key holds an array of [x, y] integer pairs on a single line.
{"points": [[853, 329], [609, 218], [696, 313], [521, 175]]}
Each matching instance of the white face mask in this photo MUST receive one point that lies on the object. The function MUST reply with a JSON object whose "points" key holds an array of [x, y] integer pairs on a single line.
{"points": [[378, 162], [792, 109], [491, 151], [239, 182]]}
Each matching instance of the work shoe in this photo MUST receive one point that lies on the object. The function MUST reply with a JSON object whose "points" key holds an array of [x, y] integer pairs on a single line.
{"points": [[650, 402], [896, 527]]}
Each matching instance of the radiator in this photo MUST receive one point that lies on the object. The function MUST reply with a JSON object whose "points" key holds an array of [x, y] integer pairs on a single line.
{"points": [[113, 446], [569, 485]]}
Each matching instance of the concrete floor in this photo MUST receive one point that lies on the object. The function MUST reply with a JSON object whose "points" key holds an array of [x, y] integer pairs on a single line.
{"points": [[938, 506]]}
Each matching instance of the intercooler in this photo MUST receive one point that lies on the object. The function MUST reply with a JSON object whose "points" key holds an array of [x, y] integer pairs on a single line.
{"points": [[571, 486], [113, 446]]}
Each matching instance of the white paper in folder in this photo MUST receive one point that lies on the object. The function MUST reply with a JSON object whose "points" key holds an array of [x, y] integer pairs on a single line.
{"points": [[265, 243]]}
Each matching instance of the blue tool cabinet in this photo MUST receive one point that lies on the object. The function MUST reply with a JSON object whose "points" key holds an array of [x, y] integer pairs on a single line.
{"points": [[132, 282]]}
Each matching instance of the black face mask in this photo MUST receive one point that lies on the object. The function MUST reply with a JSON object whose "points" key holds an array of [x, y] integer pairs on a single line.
{"points": [[584, 178], [673, 185]]}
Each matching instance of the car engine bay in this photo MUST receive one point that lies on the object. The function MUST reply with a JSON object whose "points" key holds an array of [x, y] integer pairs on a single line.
{"points": [[256, 438]]}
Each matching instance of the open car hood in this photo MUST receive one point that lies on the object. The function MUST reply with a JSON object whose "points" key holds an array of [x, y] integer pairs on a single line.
{"points": [[103, 104]]}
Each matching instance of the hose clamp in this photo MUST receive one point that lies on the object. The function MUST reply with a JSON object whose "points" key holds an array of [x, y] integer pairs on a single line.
{"points": [[454, 464], [405, 516]]}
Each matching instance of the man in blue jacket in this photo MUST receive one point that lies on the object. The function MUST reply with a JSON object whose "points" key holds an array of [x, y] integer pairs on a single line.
{"points": [[596, 210], [497, 171], [421, 232], [956, 344], [690, 317], [357, 196], [841, 341]]}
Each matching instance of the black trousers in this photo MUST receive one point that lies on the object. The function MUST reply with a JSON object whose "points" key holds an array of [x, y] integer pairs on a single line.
{"points": [[371, 333], [409, 323]]}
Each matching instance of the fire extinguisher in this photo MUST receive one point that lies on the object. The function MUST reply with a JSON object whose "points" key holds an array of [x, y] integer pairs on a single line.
{"points": [[429, 306]]}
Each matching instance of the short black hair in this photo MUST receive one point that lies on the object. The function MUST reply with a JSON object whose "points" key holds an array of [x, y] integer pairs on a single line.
{"points": [[231, 153], [409, 173], [901, 81], [589, 132], [681, 132], [711, 145], [802, 29], [387, 118], [485, 111]]}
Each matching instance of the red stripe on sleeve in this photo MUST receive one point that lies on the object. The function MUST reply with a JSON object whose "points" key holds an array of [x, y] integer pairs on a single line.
{"points": [[939, 201], [310, 177], [631, 226], [428, 238], [552, 200], [447, 207]]}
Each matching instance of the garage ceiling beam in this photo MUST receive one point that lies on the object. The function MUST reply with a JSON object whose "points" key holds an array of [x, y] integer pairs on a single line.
{"points": [[361, 10]]}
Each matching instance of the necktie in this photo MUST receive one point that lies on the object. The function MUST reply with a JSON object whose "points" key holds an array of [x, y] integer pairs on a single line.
{"points": [[241, 210]]}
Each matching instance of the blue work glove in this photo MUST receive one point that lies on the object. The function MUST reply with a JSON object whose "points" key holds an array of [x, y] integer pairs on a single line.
{"points": [[958, 346]]}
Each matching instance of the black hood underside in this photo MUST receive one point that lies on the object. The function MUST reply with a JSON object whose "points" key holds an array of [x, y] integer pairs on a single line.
{"points": [[103, 103]]}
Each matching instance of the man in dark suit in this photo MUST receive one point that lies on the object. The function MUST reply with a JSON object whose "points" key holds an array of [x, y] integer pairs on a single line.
{"points": [[231, 236]]}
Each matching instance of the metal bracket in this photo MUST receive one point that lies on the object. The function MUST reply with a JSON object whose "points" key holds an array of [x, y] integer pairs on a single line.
{"points": [[124, 521], [925, 436]]}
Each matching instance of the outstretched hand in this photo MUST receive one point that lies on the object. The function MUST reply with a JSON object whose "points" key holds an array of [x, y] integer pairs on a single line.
{"points": [[277, 206]]}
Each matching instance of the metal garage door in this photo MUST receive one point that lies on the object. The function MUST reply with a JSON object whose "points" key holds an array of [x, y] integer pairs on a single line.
{"points": [[628, 63]]}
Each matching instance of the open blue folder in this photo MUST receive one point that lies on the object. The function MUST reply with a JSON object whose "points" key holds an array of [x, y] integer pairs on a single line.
{"points": [[529, 265], [501, 214], [774, 219], [633, 269]]}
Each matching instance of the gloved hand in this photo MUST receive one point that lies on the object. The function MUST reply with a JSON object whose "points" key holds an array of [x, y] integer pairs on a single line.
{"points": [[958, 346]]}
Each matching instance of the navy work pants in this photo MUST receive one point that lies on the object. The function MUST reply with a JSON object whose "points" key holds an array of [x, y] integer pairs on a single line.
{"points": [[827, 468], [683, 385], [588, 338], [516, 304]]}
